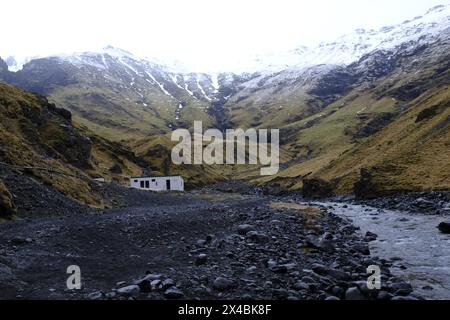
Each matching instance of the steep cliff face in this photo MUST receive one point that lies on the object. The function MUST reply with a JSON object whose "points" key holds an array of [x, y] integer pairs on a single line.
{"points": [[39, 140], [7, 208]]}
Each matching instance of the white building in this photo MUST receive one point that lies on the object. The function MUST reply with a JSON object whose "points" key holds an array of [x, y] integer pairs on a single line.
{"points": [[174, 183]]}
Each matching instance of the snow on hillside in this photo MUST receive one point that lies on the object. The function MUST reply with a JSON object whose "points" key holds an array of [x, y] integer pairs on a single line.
{"points": [[432, 26]]}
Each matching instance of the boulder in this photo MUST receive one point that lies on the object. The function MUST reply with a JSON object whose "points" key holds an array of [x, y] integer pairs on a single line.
{"points": [[129, 291], [365, 188], [426, 114], [317, 189], [116, 169], [444, 227]]}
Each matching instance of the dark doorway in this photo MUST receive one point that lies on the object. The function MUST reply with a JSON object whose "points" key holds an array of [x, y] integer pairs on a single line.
{"points": [[167, 184]]}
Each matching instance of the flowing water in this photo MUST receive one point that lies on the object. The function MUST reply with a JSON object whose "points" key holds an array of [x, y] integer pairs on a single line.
{"points": [[415, 239]]}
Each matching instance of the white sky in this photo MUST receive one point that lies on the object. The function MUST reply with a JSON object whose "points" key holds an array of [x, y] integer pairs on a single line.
{"points": [[201, 33]]}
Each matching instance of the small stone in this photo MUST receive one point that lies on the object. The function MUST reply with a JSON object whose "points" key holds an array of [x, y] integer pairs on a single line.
{"points": [[423, 203], [383, 295], [166, 284], [354, 294], [252, 269], [404, 298], [222, 284], [129, 291], [279, 269], [145, 282], [244, 229], [201, 259], [110, 295], [362, 248], [299, 285], [280, 293], [155, 284], [332, 298], [173, 293], [21, 240], [370, 236], [95, 295], [256, 236], [402, 289], [324, 271]]}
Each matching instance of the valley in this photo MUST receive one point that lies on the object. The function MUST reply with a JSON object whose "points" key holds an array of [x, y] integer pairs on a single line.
{"points": [[206, 245], [362, 173]]}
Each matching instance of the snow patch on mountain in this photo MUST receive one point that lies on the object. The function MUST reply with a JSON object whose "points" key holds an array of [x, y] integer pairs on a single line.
{"points": [[160, 85], [431, 27], [203, 90]]}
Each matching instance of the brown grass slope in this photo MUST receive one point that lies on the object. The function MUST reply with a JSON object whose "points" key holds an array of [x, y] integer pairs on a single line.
{"points": [[38, 139], [373, 127], [410, 154]]}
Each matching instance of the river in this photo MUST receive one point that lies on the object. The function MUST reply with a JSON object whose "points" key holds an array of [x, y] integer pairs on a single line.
{"points": [[415, 239]]}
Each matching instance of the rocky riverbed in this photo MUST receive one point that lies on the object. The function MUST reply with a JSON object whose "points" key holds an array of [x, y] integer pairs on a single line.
{"points": [[193, 246], [418, 251]]}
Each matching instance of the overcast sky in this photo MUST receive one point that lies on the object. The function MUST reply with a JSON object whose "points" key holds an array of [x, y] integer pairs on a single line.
{"points": [[200, 33]]}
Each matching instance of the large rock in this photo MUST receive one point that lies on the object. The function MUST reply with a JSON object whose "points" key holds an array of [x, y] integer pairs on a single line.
{"points": [[317, 189], [129, 291], [402, 289], [244, 229], [365, 188], [444, 227], [325, 271], [173, 293]]}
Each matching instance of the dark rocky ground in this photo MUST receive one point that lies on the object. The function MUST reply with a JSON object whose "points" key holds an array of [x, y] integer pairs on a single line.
{"points": [[200, 245], [432, 203]]}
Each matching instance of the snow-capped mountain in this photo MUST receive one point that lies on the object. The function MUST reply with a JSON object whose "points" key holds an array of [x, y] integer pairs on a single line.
{"points": [[130, 91], [434, 25]]}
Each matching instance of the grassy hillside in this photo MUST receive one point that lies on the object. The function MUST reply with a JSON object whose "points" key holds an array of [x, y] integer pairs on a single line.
{"points": [[373, 127], [39, 140], [410, 154]]}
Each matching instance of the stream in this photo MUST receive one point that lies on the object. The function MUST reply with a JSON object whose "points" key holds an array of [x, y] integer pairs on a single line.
{"points": [[411, 241]]}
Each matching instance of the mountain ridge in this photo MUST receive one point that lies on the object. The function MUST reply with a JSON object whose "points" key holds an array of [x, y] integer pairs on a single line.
{"points": [[345, 50], [323, 111]]}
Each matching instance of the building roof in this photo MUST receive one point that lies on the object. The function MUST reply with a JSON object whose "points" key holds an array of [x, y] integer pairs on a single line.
{"points": [[156, 177]]}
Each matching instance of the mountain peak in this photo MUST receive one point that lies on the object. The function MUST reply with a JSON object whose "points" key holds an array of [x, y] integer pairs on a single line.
{"points": [[116, 52]]}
